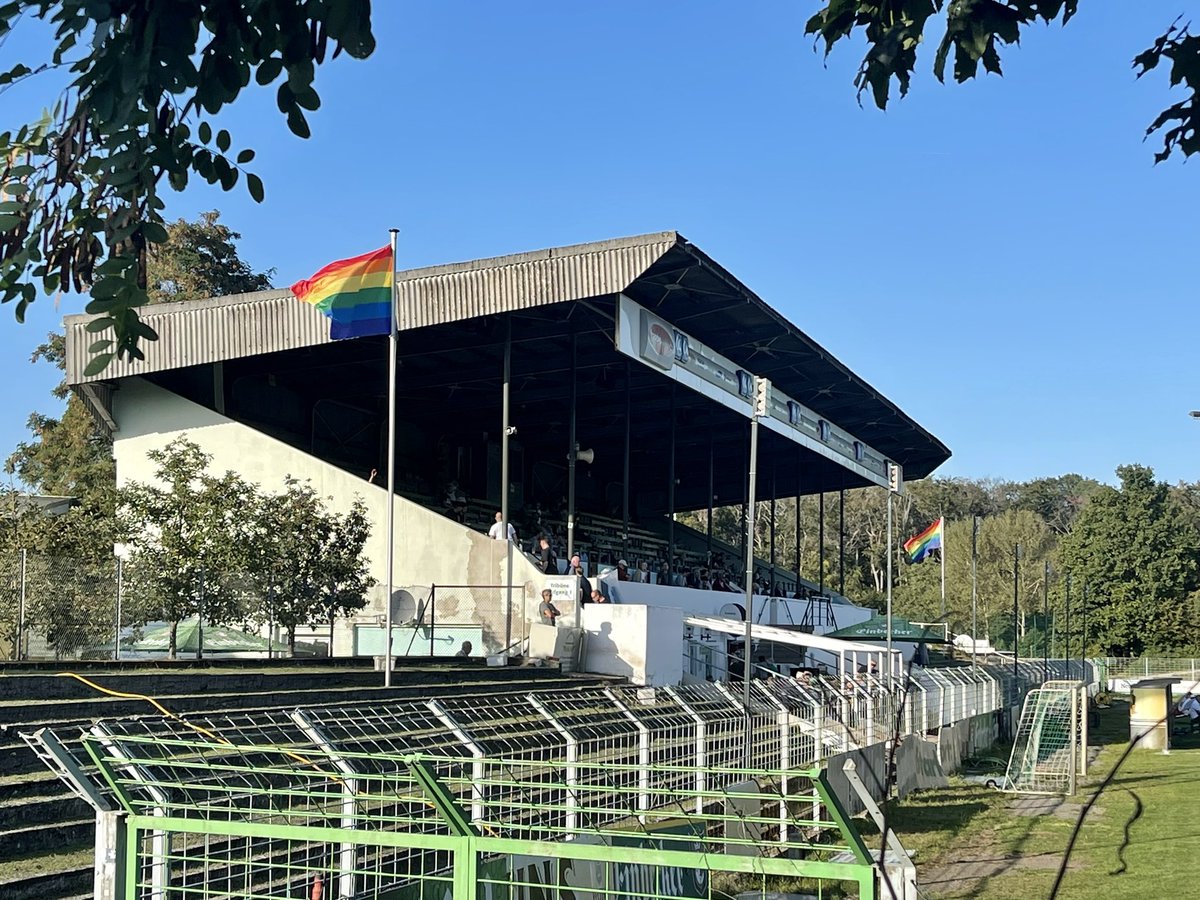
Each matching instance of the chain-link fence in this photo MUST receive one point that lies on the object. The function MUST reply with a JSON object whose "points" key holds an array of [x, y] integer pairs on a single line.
{"points": [[496, 610], [65, 608]]}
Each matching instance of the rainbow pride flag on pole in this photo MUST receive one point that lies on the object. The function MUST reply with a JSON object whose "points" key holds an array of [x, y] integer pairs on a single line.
{"points": [[925, 543], [356, 294]]}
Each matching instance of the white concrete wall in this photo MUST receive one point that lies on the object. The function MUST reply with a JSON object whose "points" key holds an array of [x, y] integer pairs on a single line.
{"points": [[429, 548], [712, 603], [638, 642]]}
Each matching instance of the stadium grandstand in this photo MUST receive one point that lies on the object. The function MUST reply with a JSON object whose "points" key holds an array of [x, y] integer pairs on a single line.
{"points": [[621, 373]]}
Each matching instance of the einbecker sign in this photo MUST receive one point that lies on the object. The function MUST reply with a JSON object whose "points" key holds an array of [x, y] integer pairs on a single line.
{"points": [[657, 343]]}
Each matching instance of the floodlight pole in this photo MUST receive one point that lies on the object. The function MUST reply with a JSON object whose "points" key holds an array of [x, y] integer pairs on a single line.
{"points": [[749, 567], [889, 586], [895, 484], [1016, 611], [505, 432], [974, 591], [572, 452], [758, 407], [1046, 623]]}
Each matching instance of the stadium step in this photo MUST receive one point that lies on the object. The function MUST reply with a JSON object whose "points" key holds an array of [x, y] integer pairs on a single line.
{"points": [[36, 839], [68, 884]]}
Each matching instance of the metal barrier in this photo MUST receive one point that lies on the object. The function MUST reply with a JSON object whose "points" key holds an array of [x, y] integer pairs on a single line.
{"points": [[641, 793]]}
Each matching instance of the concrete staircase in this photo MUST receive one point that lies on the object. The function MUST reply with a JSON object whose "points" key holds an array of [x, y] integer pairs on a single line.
{"points": [[47, 835]]}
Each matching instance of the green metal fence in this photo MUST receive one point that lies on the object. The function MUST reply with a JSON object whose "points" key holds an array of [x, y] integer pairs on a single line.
{"points": [[208, 819]]}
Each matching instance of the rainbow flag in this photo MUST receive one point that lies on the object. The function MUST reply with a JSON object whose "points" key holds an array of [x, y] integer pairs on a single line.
{"points": [[356, 294], [924, 543]]}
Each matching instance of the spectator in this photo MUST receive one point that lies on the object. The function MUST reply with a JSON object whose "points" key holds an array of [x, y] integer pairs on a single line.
{"points": [[465, 650], [598, 597], [496, 532], [455, 502], [547, 561], [547, 610], [622, 570], [585, 586], [642, 575]]}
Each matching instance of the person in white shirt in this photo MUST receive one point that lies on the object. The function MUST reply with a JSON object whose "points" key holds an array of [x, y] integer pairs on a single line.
{"points": [[496, 532]]}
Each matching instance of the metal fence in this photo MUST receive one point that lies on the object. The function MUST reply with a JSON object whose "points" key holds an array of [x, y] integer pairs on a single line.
{"points": [[1126, 668], [620, 792], [61, 608]]}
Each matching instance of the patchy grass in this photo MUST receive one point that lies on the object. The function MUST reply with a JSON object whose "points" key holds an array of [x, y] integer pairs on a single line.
{"points": [[975, 842], [16, 870]]}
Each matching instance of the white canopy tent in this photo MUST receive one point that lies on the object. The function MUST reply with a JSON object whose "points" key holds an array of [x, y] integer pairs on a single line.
{"points": [[850, 654]]}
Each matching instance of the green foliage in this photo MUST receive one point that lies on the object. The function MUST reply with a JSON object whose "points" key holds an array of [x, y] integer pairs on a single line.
{"points": [[185, 532], [81, 189], [213, 545], [71, 456], [974, 32], [199, 260], [1137, 552], [308, 562]]}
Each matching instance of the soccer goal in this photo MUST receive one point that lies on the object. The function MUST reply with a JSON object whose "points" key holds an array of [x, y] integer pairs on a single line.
{"points": [[1050, 749]]}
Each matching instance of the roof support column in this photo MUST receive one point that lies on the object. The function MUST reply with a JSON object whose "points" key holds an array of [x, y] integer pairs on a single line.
{"points": [[799, 470], [711, 487], [746, 657], [774, 609], [625, 476], [671, 490], [572, 448], [821, 541], [505, 431], [842, 542]]}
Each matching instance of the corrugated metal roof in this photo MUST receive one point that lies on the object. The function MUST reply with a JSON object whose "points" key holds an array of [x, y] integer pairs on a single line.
{"points": [[241, 325]]}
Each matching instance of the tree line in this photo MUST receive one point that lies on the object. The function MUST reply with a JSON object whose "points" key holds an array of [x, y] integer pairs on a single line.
{"points": [[1122, 561], [198, 542]]}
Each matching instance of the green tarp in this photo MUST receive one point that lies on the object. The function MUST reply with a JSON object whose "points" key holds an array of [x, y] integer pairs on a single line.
{"points": [[875, 629]]}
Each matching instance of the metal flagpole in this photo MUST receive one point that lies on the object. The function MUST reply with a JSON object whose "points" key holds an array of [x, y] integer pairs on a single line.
{"points": [[391, 475], [942, 556]]}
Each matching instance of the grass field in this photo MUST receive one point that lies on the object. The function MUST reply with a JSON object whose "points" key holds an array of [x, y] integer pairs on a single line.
{"points": [[972, 841]]}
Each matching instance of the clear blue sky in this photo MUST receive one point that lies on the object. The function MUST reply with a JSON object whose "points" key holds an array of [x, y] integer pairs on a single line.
{"points": [[1000, 258]]}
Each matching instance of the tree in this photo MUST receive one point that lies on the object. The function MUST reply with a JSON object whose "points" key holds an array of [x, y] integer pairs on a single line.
{"points": [[308, 561], [68, 456], [1056, 501], [71, 456], [975, 30], [200, 260], [82, 188], [187, 535], [1137, 552]]}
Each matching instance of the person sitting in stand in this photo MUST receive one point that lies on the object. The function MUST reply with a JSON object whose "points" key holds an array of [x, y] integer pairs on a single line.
{"points": [[464, 650], [455, 502], [598, 597], [622, 570], [642, 575]]}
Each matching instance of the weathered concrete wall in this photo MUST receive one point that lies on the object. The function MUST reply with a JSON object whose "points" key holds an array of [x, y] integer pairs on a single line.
{"points": [[429, 548], [641, 643]]}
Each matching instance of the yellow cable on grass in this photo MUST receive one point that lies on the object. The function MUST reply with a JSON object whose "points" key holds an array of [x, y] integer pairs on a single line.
{"points": [[125, 695]]}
